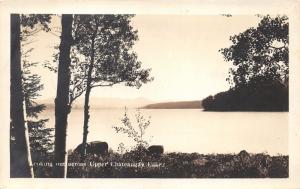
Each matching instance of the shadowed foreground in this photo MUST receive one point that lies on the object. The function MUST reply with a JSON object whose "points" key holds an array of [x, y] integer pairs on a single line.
{"points": [[137, 164]]}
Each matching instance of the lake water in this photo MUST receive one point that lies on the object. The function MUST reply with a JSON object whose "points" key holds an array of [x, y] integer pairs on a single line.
{"points": [[187, 130]]}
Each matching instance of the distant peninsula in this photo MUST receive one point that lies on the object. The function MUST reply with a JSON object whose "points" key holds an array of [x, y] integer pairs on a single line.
{"points": [[197, 104]]}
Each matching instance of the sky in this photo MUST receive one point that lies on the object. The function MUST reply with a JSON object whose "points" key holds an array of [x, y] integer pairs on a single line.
{"points": [[181, 50]]}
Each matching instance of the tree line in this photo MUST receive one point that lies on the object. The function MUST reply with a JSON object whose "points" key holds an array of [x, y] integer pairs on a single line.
{"points": [[94, 51], [259, 76]]}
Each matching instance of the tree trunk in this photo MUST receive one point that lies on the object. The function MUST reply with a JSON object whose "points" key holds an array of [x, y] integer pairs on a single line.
{"points": [[21, 165], [86, 121], [87, 102], [62, 97]]}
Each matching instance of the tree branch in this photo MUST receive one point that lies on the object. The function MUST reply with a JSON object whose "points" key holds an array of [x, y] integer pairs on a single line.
{"points": [[31, 33], [107, 85], [73, 98]]}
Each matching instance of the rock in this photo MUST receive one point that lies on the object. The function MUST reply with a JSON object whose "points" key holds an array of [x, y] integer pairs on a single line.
{"points": [[155, 150], [244, 157], [95, 147], [243, 153]]}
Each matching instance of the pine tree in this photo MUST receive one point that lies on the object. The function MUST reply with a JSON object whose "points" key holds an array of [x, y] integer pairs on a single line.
{"points": [[20, 156], [40, 137]]}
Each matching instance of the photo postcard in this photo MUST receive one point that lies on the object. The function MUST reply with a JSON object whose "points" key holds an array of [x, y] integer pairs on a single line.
{"points": [[176, 94]]}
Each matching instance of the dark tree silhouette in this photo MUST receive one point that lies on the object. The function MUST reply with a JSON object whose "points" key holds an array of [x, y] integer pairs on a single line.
{"points": [[62, 96], [20, 156], [105, 42], [260, 73], [260, 53]]}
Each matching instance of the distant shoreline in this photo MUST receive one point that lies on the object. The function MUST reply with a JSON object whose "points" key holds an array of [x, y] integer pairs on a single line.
{"points": [[196, 104], [142, 103]]}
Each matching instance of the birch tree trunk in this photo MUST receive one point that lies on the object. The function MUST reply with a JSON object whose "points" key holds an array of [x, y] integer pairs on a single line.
{"points": [[87, 101]]}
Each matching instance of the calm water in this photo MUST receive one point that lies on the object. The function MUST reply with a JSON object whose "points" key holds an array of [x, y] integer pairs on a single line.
{"points": [[188, 130]]}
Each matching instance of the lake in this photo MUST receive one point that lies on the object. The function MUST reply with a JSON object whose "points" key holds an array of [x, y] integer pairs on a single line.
{"points": [[187, 130]]}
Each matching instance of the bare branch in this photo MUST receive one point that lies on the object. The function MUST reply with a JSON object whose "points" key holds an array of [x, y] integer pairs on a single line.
{"points": [[31, 33], [53, 33]]}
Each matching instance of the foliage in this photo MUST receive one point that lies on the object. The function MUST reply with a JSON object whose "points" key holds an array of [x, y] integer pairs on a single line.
{"points": [[40, 137], [103, 44], [32, 20], [110, 39], [181, 165], [260, 72], [121, 148], [135, 131], [33, 23], [260, 53]]}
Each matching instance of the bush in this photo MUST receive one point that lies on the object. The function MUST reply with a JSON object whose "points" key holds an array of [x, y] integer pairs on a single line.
{"points": [[181, 165]]}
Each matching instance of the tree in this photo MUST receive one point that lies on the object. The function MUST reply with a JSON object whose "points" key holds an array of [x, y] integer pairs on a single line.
{"points": [[40, 137], [259, 75], [260, 54], [20, 167], [105, 42], [20, 155], [62, 96]]}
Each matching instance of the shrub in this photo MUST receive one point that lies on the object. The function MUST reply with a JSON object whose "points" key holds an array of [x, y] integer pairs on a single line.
{"points": [[134, 131]]}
